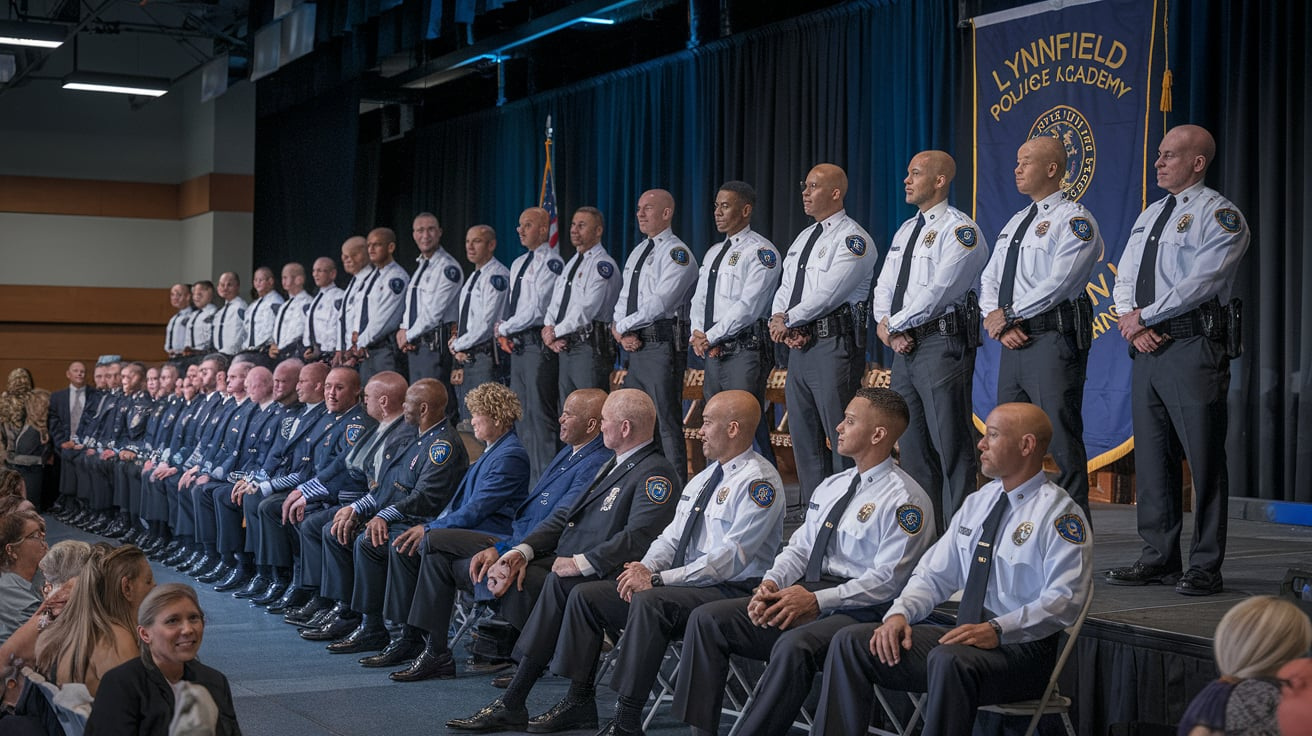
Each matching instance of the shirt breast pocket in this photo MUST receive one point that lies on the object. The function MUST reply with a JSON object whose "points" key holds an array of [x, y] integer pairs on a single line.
{"points": [[925, 265], [1036, 254]]}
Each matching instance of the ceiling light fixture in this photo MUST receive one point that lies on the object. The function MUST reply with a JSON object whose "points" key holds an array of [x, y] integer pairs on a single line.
{"points": [[39, 35], [598, 21], [122, 84]]}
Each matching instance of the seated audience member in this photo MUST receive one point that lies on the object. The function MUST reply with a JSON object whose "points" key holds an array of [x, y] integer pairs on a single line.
{"points": [[63, 563], [140, 696], [1295, 710], [27, 447], [22, 545], [1253, 641], [1020, 551], [12, 485], [94, 634]]}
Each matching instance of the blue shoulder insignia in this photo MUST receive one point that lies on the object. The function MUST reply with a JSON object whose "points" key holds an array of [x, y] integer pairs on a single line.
{"points": [[762, 493], [605, 269], [556, 266], [353, 433], [439, 452], [658, 489], [337, 304], [1228, 219], [1082, 228], [499, 282], [396, 285], [911, 518], [680, 255], [966, 236], [1071, 528], [856, 244], [767, 257], [452, 273]]}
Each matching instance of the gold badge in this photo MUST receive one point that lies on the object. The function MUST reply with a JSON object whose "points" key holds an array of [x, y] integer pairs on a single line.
{"points": [[929, 237], [610, 499], [1022, 533], [1183, 224], [733, 258], [864, 514], [722, 495], [1042, 228], [823, 252]]}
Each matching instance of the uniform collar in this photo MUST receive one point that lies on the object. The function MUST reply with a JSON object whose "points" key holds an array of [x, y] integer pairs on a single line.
{"points": [[620, 459], [935, 213], [1192, 193], [1050, 202], [738, 237], [833, 219], [737, 462], [878, 472], [1020, 493]]}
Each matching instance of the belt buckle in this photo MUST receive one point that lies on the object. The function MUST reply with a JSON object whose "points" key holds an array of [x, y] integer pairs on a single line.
{"points": [[822, 327], [943, 325]]}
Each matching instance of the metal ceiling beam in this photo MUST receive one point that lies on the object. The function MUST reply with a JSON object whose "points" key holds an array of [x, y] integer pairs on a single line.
{"points": [[91, 17]]}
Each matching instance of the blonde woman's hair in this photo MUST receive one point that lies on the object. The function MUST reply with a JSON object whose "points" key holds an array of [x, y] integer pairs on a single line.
{"points": [[495, 401], [159, 598], [1259, 635]]}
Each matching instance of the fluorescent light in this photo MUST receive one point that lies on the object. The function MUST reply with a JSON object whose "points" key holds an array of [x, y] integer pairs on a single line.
{"points": [[39, 35], [598, 21], [117, 83]]}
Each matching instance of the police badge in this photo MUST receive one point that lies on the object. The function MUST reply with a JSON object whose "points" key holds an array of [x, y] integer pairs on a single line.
{"points": [[1022, 533], [1228, 219], [1042, 228], [856, 244], [1183, 224], [733, 258], [439, 452], [930, 237], [865, 513], [1082, 228], [722, 495], [610, 499], [910, 518], [658, 489]]}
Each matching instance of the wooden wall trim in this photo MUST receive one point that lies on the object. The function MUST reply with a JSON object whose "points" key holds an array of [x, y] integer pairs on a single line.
{"points": [[83, 305], [95, 198]]}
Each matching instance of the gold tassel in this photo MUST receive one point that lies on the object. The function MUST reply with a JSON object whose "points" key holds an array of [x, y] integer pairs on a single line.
{"points": [[1167, 79]]}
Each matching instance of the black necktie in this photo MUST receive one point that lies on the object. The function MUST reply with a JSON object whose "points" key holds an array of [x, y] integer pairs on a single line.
{"points": [[464, 306], [1008, 285], [277, 331], [255, 309], [971, 610], [519, 280], [1145, 286], [413, 314], [309, 320], [218, 338], [826, 533], [709, 320], [346, 299], [904, 273], [799, 278], [364, 300], [694, 519], [191, 328], [569, 286], [634, 278]]}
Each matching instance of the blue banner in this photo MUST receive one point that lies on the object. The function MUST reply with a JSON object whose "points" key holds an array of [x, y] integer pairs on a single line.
{"points": [[1083, 72]]}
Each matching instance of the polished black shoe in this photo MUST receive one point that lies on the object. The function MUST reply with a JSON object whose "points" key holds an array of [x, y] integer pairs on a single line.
{"points": [[79, 518], [214, 573], [431, 665], [96, 524], [235, 580], [254, 587], [132, 536], [176, 556], [1141, 574], [567, 715], [186, 562], [303, 614], [326, 615], [271, 593], [397, 652], [165, 550], [362, 639], [611, 728], [1196, 581], [116, 529], [291, 599], [334, 629], [495, 716], [201, 564]]}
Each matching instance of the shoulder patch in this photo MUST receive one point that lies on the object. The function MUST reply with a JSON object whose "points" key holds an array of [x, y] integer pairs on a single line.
{"points": [[1082, 228], [767, 257], [762, 493], [856, 244], [452, 273], [396, 285], [353, 433], [605, 269], [241, 313], [966, 236], [439, 452], [337, 304], [1071, 528], [680, 255], [277, 307], [499, 282], [658, 489], [556, 266], [305, 308], [1228, 219], [911, 518]]}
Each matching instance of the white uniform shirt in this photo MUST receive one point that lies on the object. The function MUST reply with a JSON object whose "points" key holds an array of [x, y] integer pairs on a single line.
{"points": [[596, 286], [745, 284], [200, 328], [1042, 561], [488, 290], [1198, 254], [261, 319], [433, 295], [536, 272], [741, 528], [1057, 256], [887, 526], [323, 319], [230, 327], [290, 325], [383, 294], [839, 271], [668, 276], [946, 262], [175, 334]]}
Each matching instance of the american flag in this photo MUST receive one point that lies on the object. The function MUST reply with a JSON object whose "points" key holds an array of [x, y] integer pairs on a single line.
{"points": [[548, 196]]}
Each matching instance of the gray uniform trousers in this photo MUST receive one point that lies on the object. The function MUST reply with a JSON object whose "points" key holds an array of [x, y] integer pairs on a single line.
{"points": [[583, 366], [373, 570], [443, 571], [938, 448], [479, 369], [1179, 395], [656, 369], [385, 357], [649, 623], [745, 370], [822, 379], [435, 363], [1049, 373], [957, 677], [336, 560], [535, 379]]}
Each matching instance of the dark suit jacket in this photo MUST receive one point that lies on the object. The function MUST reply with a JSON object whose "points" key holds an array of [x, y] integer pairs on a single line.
{"points": [[134, 699], [491, 491], [59, 418]]}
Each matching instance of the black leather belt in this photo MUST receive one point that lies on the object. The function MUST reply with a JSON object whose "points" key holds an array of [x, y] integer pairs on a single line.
{"points": [[482, 348], [658, 331], [748, 339], [433, 338], [1060, 318], [532, 335], [1199, 321], [834, 324]]}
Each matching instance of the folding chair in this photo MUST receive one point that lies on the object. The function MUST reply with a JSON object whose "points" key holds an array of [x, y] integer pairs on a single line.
{"points": [[803, 722], [465, 617]]}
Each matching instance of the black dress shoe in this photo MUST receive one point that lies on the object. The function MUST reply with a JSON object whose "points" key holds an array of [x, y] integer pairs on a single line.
{"points": [[201, 564], [117, 528], [254, 587], [397, 652], [177, 556], [235, 580], [362, 639], [96, 524], [214, 573], [495, 716], [188, 560], [306, 613], [334, 629], [292, 598], [612, 728], [1197, 581], [1141, 574], [131, 536], [569, 714], [271, 593], [433, 665], [78, 518]]}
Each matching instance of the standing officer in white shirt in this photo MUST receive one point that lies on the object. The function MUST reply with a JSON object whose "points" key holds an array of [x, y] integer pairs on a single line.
{"points": [[482, 302], [382, 297], [324, 315], [432, 303], [230, 321], [175, 333], [289, 328], [262, 316], [582, 302]]}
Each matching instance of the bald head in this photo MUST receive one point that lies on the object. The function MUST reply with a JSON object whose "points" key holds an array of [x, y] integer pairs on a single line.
{"points": [[824, 190], [628, 419], [259, 384], [929, 175], [293, 278], [1040, 167], [655, 212], [355, 253], [381, 244], [341, 389], [324, 272], [284, 380], [425, 403], [1016, 438], [729, 424], [1183, 157], [384, 395], [580, 417]]}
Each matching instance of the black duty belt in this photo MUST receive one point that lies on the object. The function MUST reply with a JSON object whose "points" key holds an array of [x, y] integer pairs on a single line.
{"points": [[1201, 321], [1060, 318], [834, 324], [482, 348], [748, 339], [944, 325], [659, 331]]}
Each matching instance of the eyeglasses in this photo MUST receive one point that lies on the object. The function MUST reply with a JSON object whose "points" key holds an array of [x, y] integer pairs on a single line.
{"points": [[34, 535]]}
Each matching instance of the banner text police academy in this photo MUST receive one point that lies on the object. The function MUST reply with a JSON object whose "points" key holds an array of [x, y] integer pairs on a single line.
{"points": [[1040, 64]]}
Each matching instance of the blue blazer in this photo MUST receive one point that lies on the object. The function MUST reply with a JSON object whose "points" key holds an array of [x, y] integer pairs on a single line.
{"points": [[491, 491], [567, 476]]}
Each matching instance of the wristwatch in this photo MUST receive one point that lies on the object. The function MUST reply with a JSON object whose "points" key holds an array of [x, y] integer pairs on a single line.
{"points": [[656, 581], [997, 629]]}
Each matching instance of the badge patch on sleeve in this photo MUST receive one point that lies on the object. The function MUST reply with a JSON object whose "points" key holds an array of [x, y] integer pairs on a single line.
{"points": [[605, 269], [658, 489], [1082, 228], [1071, 528], [966, 236], [452, 273], [1228, 219], [555, 266], [353, 433], [680, 255], [439, 452], [910, 518], [767, 257], [499, 282], [762, 493], [856, 244], [396, 285]]}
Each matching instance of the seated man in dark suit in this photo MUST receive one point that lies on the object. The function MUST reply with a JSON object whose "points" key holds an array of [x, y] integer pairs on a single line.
{"points": [[67, 407]]}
